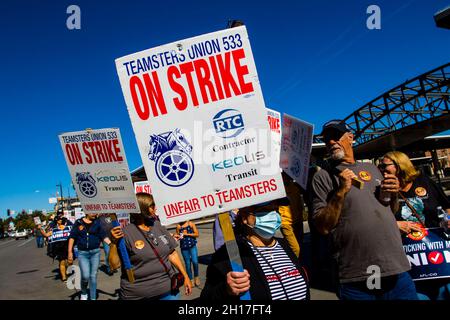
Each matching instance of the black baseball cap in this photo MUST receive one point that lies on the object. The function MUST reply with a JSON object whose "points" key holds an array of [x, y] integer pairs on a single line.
{"points": [[336, 124]]}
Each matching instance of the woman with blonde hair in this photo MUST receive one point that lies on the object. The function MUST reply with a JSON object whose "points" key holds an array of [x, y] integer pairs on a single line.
{"points": [[419, 199]]}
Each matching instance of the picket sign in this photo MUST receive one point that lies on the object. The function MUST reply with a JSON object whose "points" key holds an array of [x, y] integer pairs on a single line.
{"points": [[296, 144], [201, 126], [99, 170]]}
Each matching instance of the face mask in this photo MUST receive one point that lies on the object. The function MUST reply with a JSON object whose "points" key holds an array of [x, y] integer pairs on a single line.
{"points": [[267, 224]]}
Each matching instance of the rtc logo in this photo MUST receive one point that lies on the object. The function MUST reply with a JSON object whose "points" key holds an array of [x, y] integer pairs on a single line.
{"points": [[228, 123], [436, 257]]}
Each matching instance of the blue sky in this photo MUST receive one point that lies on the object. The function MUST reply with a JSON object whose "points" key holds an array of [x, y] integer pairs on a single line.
{"points": [[316, 60]]}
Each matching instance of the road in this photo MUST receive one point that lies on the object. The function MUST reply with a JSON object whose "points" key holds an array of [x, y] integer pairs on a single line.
{"points": [[26, 273]]}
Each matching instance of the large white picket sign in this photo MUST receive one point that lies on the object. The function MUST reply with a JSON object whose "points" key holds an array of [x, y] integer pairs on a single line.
{"points": [[296, 143], [274, 119], [200, 123], [99, 170]]}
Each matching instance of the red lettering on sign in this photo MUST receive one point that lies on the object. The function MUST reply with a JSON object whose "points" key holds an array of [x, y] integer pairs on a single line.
{"points": [[203, 75], [274, 123], [73, 153], [181, 103], [213, 76], [152, 92], [102, 151]]}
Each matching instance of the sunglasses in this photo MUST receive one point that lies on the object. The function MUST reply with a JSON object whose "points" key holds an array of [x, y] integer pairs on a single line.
{"points": [[383, 166], [333, 135]]}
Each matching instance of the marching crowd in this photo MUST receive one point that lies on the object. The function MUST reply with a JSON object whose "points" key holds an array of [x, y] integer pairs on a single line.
{"points": [[357, 210]]}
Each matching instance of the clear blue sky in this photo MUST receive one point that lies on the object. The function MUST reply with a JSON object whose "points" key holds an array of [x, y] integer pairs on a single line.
{"points": [[316, 60]]}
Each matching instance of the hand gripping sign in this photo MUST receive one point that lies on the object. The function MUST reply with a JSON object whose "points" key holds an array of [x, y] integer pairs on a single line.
{"points": [[99, 170], [201, 126]]}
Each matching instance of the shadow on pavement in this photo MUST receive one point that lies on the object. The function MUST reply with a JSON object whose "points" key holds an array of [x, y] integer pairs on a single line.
{"points": [[29, 271], [77, 294]]}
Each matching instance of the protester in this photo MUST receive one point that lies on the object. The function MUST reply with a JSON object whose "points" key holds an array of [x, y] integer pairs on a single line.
{"points": [[188, 233], [105, 222], [87, 234], [363, 228], [419, 199], [39, 237], [271, 269], [151, 249], [291, 211], [58, 242], [48, 227]]}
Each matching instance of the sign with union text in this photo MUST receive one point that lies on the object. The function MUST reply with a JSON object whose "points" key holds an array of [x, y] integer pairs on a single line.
{"points": [[142, 186], [274, 119], [200, 122], [428, 253], [296, 143], [99, 170]]}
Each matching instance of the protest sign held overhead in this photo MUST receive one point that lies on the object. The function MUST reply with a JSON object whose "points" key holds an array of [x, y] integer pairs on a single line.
{"points": [[99, 170], [274, 119], [79, 213], [142, 186], [296, 143], [201, 126], [37, 220]]}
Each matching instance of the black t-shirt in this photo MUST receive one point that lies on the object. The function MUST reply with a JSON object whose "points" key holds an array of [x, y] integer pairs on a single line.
{"points": [[425, 196]]}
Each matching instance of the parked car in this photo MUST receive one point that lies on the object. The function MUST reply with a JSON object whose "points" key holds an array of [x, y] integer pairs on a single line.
{"points": [[21, 234]]}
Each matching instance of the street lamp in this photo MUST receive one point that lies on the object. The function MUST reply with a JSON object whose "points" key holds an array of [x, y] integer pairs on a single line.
{"points": [[442, 18]]}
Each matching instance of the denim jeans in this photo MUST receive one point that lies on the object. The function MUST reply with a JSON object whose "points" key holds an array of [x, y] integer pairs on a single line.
{"points": [[106, 249], [433, 289], [397, 287], [40, 242], [88, 262], [169, 296], [188, 256]]}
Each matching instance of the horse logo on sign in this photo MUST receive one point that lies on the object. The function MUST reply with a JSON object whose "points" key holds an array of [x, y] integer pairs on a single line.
{"points": [[171, 153], [86, 184]]}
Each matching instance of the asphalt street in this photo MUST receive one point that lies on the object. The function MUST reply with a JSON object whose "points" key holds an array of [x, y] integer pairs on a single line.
{"points": [[26, 273]]}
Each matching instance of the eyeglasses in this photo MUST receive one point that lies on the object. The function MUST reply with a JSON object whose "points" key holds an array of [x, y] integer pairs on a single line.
{"points": [[383, 166]]}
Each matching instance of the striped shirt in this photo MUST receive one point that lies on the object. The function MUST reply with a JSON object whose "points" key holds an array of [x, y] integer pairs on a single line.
{"points": [[284, 279]]}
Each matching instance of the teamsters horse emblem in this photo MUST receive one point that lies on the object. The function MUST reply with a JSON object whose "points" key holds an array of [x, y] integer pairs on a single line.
{"points": [[86, 184], [171, 153]]}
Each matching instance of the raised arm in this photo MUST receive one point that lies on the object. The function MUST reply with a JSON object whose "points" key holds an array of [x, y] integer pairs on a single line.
{"points": [[326, 217]]}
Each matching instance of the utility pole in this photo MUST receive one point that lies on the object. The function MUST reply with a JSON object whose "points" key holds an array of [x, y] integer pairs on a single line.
{"points": [[61, 195]]}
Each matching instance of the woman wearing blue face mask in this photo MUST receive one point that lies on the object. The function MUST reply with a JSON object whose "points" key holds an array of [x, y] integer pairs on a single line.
{"points": [[271, 269]]}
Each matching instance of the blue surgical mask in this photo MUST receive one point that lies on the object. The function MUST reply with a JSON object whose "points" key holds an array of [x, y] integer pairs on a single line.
{"points": [[267, 223]]}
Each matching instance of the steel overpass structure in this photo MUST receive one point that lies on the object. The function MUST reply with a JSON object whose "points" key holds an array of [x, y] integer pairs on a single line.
{"points": [[402, 116]]}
